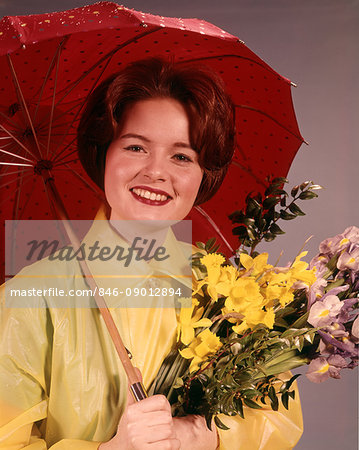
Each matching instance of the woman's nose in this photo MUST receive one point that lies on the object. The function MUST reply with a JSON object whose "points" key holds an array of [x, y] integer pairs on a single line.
{"points": [[156, 168]]}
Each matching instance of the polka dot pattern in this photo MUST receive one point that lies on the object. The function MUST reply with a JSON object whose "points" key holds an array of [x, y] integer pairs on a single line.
{"points": [[68, 53]]}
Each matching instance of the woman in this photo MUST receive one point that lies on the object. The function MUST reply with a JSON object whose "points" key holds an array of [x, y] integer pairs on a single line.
{"points": [[158, 138]]}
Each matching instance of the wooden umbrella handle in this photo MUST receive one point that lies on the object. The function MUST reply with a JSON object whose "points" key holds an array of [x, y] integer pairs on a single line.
{"points": [[136, 386]]}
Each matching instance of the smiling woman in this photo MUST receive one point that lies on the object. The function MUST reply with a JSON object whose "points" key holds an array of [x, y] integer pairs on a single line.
{"points": [[193, 96], [158, 138], [152, 173]]}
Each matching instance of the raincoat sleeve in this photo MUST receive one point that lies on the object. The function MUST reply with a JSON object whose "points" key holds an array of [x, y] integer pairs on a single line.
{"points": [[264, 429], [25, 358]]}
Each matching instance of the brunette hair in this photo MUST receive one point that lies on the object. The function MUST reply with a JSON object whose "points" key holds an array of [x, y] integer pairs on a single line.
{"points": [[201, 92]]}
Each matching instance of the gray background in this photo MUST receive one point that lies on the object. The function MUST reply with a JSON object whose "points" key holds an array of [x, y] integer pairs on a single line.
{"points": [[316, 45]]}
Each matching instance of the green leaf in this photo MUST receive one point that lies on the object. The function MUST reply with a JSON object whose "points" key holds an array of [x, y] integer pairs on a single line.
{"points": [[273, 398], [279, 322], [298, 342], [286, 216], [306, 195], [252, 207], [200, 245], [304, 185], [275, 229], [240, 231], [237, 216], [239, 407], [294, 191], [301, 322], [269, 202], [285, 399], [251, 404], [248, 221], [310, 337], [315, 187], [291, 381], [210, 243], [280, 192], [220, 424], [291, 394], [269, 237], [251, 232], [296, 210], [280, 180], [208, 418]]}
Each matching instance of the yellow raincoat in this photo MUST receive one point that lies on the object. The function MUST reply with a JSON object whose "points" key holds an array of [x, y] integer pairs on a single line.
{"points": [[62, 386]]}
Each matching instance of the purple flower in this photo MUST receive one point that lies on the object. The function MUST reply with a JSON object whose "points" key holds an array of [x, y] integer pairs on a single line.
{"points": [[349, 260], [352, 233], [316, 291], [322, 368], [324, 312], [355, 329], [333, 245], [320, 263], [345, 347]]}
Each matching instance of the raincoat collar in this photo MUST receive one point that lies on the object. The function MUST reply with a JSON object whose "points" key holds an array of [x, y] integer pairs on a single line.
{"points": [[111, 273]]}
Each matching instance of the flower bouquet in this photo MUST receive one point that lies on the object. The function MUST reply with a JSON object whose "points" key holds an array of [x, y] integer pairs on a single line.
{"points": [[248, 322]]}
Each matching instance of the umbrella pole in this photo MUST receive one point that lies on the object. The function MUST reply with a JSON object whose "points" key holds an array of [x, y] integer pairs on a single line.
{"points": [[136, 386]]}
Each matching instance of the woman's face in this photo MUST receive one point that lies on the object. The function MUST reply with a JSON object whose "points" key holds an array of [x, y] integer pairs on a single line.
{"points": [[151, 171]]}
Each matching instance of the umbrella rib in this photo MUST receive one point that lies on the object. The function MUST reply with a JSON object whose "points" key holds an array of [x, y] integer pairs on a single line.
{"points": [[271, 118], [15, 155], [214, 225], [58, 51], [53, 99], [60, 163], [15, 164], [17, 141], [8, 118], [75, 118], [246, 169], [230, 55], [86, 183], [13, 72], [108, 55], [57, 159], [5, 174], [15, 211], [27, 175]]}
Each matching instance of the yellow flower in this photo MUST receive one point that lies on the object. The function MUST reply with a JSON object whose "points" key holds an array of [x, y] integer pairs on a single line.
{"points": [[227, 279], [189, 321], [255, 317], [203, 345], [244, 295], [277, 286], [256, 265], [300, 272], [213, 262]]}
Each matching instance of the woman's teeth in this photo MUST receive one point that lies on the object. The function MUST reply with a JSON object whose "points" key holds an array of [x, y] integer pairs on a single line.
{"points": [[150, 195]]}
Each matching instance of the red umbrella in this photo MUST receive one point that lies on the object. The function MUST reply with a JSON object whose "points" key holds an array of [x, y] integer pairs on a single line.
{"points": [[51, 62]]}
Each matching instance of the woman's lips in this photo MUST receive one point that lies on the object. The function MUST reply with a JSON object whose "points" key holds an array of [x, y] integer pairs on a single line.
{"points": [[153, 197]]}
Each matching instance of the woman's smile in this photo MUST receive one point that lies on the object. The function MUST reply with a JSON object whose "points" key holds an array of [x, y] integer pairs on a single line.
{"points": [[150, 196], [152, 171]]}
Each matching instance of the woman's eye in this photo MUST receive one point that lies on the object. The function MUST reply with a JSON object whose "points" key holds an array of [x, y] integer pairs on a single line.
{"points": [[182, 157], [134, 148]]}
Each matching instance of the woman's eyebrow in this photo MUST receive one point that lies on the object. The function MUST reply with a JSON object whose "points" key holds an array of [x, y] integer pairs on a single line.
{"points": [[145, 139], [182, 145], [136, 136]]}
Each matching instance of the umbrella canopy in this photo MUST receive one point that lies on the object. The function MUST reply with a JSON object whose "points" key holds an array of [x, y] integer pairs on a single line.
{"points": [[50, 63]]}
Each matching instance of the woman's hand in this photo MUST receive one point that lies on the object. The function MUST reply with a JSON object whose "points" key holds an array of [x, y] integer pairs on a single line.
{"points": [[147, 424], [193, 433]]}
